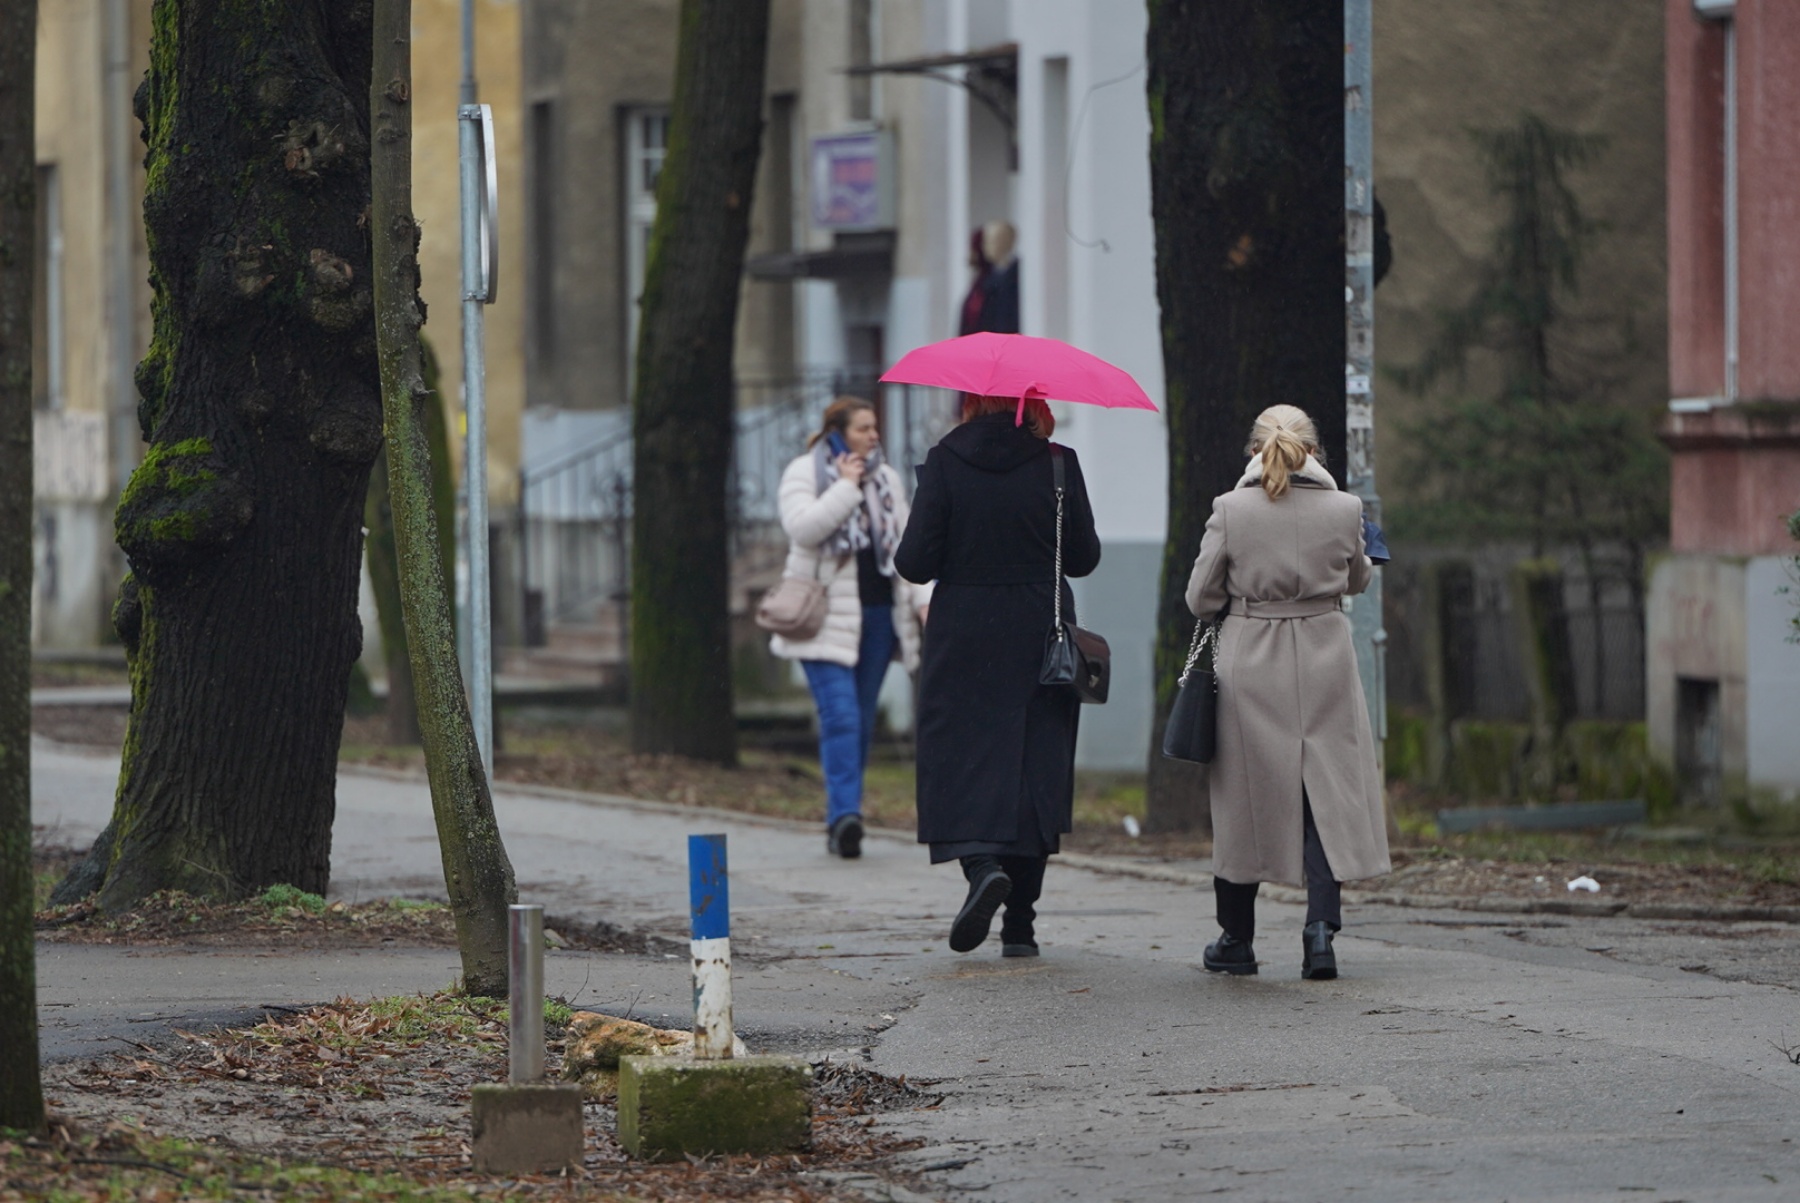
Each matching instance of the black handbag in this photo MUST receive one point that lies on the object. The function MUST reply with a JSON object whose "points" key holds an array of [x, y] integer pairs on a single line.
{"points": [[1192, 733], [1073, 656]]}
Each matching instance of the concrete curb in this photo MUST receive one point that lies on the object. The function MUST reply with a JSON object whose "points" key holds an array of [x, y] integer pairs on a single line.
{"points": [[1587, 908]]}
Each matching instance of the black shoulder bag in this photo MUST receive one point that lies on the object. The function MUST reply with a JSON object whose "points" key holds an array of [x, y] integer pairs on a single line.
{"points": [[1192, 733], [1072, 656]]}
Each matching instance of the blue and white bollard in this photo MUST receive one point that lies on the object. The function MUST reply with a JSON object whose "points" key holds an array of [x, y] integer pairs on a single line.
{"points": [[709, 895]]}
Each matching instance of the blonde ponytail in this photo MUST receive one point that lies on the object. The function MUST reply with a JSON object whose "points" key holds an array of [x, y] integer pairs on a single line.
{"points": [[1283, 436]]}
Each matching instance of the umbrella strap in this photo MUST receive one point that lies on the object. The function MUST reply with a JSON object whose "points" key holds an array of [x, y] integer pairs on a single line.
{"points": [[1056, 467]]}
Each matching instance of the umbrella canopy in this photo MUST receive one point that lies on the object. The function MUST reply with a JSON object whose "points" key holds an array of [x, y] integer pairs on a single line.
{"points": [[1015, 365]]}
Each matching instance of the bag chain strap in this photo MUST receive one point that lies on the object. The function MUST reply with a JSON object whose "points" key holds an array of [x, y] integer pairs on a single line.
{"points": [[1204, 632]]}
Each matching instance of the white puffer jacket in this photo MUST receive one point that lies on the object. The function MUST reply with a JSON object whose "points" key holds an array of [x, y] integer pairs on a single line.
{"points": [[810, 517]]}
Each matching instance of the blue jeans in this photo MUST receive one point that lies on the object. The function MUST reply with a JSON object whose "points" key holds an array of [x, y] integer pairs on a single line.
{"points": [[846, 700]]}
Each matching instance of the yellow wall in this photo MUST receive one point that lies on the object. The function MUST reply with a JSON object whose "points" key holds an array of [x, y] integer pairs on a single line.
{"points": [[437, 72]]}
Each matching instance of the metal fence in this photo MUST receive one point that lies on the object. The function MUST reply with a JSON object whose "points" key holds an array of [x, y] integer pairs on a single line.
{"points": [[574, 519], [1483, 674]]}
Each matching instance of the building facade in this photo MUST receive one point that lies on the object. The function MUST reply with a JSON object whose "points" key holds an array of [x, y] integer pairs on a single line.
{"points": [[91, 320], [1724, 673]]}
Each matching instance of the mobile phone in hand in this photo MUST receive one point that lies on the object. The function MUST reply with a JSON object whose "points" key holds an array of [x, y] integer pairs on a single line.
{"points": [[836, 443]]}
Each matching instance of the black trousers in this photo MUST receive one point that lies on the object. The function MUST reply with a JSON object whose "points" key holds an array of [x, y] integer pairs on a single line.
{"points": [[1027, 873], [1236, 901]]}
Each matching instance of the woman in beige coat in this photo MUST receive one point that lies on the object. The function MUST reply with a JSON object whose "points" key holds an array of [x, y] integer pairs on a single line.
{"points": [[1296, 793], [844, 510]]}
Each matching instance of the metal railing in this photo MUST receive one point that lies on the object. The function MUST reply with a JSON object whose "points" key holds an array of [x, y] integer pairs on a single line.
{"points": [[574, 532]]}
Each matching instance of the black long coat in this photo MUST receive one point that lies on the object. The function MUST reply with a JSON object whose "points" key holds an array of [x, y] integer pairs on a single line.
{"points": [[996, 750]]}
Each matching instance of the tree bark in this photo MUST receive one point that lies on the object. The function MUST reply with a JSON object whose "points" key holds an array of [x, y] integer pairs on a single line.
{"points": [[477, 874], [384, 563], [682, 407], [21, 1091], [1246, 183], [243, 524]]}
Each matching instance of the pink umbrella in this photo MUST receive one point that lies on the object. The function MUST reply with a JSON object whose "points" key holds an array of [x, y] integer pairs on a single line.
{"points": [[1014, 365]]}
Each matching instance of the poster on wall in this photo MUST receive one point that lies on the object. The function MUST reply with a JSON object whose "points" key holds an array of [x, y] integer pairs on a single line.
{"points": [[853, 181]]}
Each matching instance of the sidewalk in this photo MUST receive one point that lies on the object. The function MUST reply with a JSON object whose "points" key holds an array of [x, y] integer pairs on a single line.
{"points": [[1463, 1056]]}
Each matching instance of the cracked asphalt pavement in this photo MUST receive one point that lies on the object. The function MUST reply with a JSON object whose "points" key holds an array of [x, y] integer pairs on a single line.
{"points": [[1459, 1057]]}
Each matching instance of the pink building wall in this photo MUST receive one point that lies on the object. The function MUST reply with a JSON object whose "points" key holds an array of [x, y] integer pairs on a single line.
{"points": [[1694, 63], [1736, 468]]}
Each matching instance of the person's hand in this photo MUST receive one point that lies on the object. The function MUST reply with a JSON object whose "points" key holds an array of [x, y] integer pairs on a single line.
{"points": [[851, 468]]}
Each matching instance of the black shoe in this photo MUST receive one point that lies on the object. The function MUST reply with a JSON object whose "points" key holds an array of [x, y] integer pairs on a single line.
{"points": [[1318, 962], [846, 837], [1228, 954], [986, 893], [1018, 948]]}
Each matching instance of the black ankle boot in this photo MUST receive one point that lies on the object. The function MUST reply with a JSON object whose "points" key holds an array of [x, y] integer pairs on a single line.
{"points": [[988, 887], [1318, 962], [1228, 954], [1016, 939]]}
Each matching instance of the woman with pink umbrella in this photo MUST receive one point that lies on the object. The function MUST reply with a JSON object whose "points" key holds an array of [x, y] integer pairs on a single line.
{"points": [[996, 749]]}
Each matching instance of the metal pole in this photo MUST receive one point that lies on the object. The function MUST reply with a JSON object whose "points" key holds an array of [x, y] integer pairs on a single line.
{"points": [[525, 994], [474, 151], [709, 893], [1359, 304]]}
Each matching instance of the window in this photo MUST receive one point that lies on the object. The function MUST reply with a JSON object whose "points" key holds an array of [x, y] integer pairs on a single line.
{"points": [[546, 181], [47, 333], [646, 145], [1699, 756]]}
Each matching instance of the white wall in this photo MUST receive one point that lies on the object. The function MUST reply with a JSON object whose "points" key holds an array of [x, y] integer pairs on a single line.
{"points": [[1772, 673]]}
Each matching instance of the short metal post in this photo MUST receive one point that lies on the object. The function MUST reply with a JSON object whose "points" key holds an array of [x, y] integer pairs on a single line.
{"points": [[710, 897], [525, 993]]}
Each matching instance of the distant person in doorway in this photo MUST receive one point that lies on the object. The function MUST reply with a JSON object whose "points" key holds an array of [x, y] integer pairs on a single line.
{"points": [[996, 750], [1296, 793], [844, 510], [969, 321], [992, 303]]}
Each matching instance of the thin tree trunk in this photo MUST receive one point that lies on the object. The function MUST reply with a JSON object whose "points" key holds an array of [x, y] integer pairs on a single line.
{"points": [[682, 409], [243, 524], [384, 564], [21, 1092], [1246, 174], [477, 874]]}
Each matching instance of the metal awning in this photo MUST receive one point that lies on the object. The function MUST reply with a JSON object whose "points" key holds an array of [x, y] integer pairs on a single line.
{"points": [[851, 256], [991, 77]]}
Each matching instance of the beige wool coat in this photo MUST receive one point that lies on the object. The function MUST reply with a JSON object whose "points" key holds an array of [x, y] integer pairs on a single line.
{"points": [[1291, 709]]}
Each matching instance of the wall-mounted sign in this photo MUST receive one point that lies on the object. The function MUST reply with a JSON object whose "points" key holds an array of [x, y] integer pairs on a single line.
{"points": [[853, 181]]}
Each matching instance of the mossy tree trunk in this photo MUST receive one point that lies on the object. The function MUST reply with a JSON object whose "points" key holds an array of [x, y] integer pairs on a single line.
{"points": [[243, 524], [384, 564], [1246, 183], [21, 1091], [682, 407], [477, 874]]}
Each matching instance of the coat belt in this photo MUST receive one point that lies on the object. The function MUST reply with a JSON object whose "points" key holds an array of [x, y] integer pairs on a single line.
{"points": [[1306, 607]]}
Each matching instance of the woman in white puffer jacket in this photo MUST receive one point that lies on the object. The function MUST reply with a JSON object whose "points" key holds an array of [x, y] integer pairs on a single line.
{"points": [[844, 510]]}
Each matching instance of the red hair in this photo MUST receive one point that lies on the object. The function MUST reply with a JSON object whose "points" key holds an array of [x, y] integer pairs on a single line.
{"points": [[1038, 418]]}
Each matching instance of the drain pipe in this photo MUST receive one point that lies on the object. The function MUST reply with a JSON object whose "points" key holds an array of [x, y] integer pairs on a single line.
{"points": [[121, 291]]}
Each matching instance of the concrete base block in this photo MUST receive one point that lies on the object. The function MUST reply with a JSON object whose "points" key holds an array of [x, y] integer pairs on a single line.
{"points": [[670, 1107], [531, 1128]]}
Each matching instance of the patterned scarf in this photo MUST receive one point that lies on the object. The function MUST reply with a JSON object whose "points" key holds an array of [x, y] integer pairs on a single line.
{"points": [[876, 522]]}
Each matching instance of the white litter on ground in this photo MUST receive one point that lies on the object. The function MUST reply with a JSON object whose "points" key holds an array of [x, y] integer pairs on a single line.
{"points": [[1585, 882]]}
